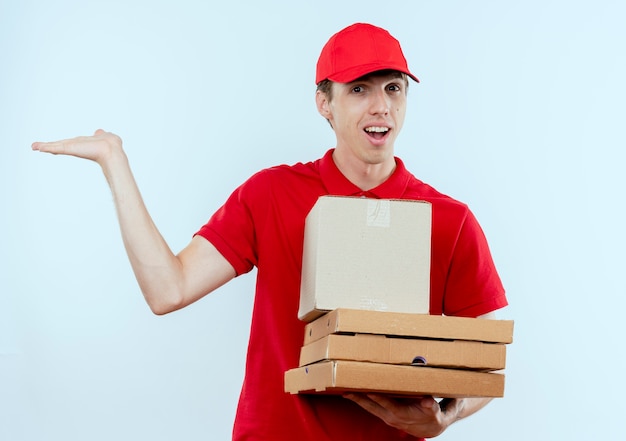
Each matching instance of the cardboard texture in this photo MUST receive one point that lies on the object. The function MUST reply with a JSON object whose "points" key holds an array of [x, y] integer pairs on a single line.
{"points": [[402, 351], [370, 254], [336, 377], [409, 325]]}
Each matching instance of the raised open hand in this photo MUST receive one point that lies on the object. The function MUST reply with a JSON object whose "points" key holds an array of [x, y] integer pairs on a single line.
{"points": [[100, 147]]}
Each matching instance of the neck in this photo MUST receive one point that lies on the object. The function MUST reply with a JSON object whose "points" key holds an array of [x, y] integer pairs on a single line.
{"points": [[365, 175]]}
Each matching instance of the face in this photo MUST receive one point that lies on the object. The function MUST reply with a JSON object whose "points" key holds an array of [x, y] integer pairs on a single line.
{"points": [[367, 115]]}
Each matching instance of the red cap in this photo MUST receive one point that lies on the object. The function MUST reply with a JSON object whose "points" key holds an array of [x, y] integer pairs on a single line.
{"points": [[358, 50]]}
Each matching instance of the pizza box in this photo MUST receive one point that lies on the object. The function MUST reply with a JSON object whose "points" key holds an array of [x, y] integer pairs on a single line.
{"points": [[457, 354], [355, 321], [340, 376]]}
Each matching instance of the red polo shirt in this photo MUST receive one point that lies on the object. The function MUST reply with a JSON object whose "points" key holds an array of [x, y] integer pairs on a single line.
{"points": [[262, 224]]}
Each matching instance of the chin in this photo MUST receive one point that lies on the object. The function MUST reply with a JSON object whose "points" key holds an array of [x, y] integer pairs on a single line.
{"points": [[381, 150], [378, 156]]}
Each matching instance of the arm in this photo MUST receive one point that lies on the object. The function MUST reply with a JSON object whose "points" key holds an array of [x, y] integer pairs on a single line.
{"points": [[168, 282], [422, 417]]}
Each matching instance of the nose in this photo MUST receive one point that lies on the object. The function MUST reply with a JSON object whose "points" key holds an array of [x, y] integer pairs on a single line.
{"points": [[379, 103]]}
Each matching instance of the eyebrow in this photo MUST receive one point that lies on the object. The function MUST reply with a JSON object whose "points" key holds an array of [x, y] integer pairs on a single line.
{"points": [[367, 79]]}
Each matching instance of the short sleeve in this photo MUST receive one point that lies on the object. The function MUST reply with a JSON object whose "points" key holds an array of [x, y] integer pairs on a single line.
{"points": [[232, 230], [473, 286]]}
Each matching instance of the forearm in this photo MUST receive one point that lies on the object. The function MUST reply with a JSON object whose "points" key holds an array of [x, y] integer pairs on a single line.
{"points": [[158, 271]]}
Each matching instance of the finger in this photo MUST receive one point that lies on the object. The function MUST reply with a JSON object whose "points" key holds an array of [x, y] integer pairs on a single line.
{"points": [[383, 401], [365, 402], [356, 397], [426, 404], [429, 403], [55, 147], [62, 147]]}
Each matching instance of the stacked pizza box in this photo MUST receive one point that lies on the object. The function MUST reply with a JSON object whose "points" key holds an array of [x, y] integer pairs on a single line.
{"points": [[365, 298], [406, 354]]}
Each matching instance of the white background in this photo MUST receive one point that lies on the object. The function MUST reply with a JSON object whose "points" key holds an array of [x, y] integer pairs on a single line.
{"points": [[520, 113]]}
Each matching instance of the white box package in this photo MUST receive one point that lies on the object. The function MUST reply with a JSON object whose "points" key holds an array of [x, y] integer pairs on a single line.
{"points": [[363, 253]]}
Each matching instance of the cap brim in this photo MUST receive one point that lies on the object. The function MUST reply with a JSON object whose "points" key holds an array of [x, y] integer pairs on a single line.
{"points": [[357, 72]]}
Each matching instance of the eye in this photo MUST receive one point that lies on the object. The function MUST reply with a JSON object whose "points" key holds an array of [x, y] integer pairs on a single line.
{"points": [[394, 88], [357, 89]]}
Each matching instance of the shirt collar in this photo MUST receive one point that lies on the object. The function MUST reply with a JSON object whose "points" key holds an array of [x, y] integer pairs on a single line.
{"points": [[338, 185]]}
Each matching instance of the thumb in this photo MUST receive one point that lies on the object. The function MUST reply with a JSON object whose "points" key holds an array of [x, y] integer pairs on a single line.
{"points": [[429, 404]]}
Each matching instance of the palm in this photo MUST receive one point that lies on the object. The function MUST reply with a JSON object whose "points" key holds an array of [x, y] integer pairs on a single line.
{"points": [[98, 147]]}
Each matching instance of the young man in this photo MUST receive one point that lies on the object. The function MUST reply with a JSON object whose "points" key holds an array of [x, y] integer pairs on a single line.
{"points": [[362, 79]]}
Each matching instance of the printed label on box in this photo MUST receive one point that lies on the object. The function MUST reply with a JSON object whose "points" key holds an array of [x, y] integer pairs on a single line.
{"points": [[378, 213]]}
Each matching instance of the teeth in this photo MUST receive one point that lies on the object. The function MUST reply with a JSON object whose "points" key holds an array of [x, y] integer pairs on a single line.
{"points": [[377, 129]]}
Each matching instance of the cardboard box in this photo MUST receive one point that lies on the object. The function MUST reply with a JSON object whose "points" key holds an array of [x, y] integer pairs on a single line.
{"points": [[362, 253], [409, 325], [403, 351], [337, 377]]}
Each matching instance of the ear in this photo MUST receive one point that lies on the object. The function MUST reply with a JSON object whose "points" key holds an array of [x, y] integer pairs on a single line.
{"points": [[323, 105]]}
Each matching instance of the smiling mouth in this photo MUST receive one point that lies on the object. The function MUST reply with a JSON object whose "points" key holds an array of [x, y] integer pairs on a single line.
{"points": [[377, 132]]}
